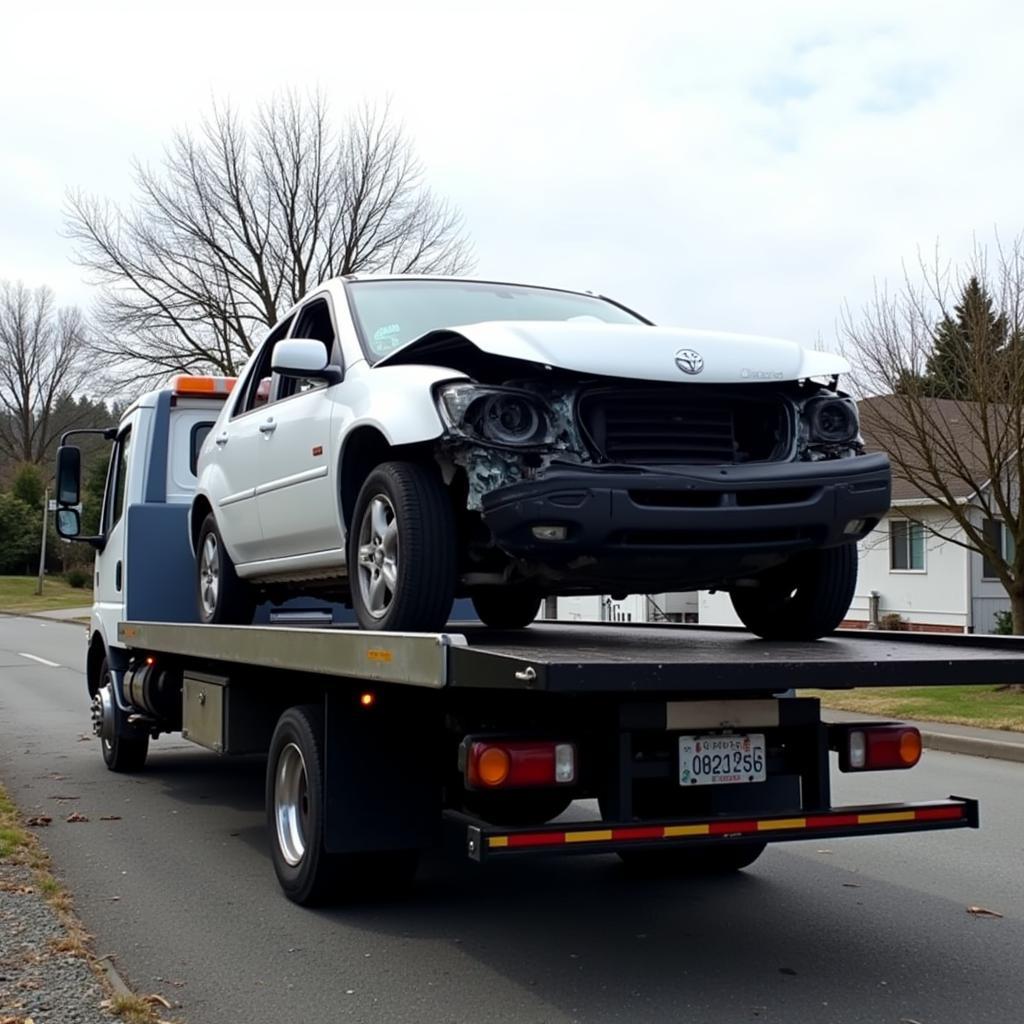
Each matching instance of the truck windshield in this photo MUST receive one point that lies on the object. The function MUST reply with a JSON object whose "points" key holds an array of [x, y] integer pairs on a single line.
{"points": [[391, 313]]}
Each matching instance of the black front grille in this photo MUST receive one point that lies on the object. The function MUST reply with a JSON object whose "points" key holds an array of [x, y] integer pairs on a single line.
{"points": [[669, 424]]}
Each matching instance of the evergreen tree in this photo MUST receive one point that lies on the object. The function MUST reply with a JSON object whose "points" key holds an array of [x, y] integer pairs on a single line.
{"points": [[28, 485], [19, 535], [968, 347]]}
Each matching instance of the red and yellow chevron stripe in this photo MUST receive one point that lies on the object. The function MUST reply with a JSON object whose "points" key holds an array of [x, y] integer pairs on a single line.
{"points": [[730, 827]]}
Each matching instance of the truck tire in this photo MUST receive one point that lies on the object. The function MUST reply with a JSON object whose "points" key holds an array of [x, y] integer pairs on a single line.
{"points": [[714, 859], [402, 550], [123, 750], [221, 597], [506, 607], [308, 874], [805, 599]]}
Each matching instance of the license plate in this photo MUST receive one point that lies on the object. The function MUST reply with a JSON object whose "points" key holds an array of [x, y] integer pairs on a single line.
{"points": [[720, 760]]}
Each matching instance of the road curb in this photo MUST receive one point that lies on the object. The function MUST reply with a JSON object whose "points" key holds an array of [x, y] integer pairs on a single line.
{"points": [[106, 966], [973, 746]]}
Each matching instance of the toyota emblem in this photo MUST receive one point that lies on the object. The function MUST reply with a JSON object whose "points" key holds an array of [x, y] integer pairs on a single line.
{"points": [[689, 361]]}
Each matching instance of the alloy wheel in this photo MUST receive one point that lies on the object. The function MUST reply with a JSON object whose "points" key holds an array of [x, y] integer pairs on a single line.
{"points": [[378, 556]]}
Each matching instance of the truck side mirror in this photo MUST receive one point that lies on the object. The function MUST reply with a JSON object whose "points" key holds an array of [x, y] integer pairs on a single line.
{"points": [[69, 523], [69, 476]]}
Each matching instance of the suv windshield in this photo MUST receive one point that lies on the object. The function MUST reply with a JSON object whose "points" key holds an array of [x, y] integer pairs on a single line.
{"points": [[391, 313]]}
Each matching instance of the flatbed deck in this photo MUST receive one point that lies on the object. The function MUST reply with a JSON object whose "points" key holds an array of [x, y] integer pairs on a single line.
{"points": [[596, 657]]}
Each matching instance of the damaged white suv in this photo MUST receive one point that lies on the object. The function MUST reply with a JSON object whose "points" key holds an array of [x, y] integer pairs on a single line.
{"points": [[397, 442]]}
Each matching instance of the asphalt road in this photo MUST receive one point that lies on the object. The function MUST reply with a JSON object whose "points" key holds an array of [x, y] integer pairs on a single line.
{"points": [[181, 890]]}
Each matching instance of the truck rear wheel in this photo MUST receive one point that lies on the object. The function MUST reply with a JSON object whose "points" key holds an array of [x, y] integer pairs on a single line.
{"points": [[124, 750], [805, 599], [295, 798], [714, 859], [401, 550], [506, 607], [221, 596]]}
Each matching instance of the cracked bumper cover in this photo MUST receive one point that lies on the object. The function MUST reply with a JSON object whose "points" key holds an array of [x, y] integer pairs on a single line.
{"points": [[777, 507]]}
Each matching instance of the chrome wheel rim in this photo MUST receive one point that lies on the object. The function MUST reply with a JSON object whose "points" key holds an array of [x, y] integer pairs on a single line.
{"points": [[377, 567], [102, 713], [291, 804], [209, 574]]}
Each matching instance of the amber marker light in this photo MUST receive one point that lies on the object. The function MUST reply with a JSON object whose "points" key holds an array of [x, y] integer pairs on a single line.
{"points": [[493, 766], [367, 699], [910, 747]]}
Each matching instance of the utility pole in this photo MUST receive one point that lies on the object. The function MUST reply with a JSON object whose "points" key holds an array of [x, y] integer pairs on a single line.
{"points": [[42, 546]]}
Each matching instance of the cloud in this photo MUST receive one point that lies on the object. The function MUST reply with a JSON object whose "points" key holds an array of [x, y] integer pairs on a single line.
{"points": [[740, 166]]}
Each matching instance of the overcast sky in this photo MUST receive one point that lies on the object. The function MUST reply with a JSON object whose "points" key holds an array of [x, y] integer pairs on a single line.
{"points": [[738, 166]]}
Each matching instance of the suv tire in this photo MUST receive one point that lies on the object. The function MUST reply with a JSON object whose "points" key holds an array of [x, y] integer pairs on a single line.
{"points": [[221, 597], [402, 550], [805, 599]]}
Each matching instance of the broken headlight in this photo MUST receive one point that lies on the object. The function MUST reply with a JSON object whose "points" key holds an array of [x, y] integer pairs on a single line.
{"points": [[498, 416], [832, 420]]}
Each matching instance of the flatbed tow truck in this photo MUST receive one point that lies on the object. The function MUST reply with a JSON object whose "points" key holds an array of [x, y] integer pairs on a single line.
{"points": [[380, 745]]}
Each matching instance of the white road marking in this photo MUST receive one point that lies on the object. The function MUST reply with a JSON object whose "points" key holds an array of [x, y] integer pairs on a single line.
{"points": [[42, 661]]}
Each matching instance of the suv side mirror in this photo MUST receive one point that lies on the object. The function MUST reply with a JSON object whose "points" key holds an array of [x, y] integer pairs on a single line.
{"points": [[69, 475], [303, 357]]}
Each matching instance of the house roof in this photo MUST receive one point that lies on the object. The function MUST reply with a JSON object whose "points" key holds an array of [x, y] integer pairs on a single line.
{"points": [[885, 428]]}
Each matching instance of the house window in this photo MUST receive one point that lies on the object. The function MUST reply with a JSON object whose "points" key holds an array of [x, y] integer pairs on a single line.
{"points": [[906, 546], [1001, 539]]}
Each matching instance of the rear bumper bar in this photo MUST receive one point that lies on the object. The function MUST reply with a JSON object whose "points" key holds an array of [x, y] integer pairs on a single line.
{"points": [[483, 841]]}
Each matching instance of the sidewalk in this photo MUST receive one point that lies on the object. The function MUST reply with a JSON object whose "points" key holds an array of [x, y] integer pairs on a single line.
{"points": [[54, 614], [954, 739]]}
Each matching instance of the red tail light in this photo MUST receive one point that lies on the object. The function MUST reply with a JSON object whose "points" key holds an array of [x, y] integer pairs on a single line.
{"points": [[873, 748], [512, 764]]}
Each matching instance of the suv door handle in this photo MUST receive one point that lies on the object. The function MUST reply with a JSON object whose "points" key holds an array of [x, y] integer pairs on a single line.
{"points": [[269, 427], [221, 439]]}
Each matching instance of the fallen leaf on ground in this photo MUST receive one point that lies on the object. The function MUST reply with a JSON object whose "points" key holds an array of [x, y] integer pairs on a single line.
{"points": [[787, 970], [74, 817], [852, 885], [110, 817], [824, 851], [58, 796], [38, 821], [983, 912], [158, 1000], [83, 738], [909, 1020]]}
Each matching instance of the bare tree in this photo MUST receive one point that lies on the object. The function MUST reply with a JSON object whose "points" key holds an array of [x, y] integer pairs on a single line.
{"points": [[42, 363], [244, 218], [963, 454]]}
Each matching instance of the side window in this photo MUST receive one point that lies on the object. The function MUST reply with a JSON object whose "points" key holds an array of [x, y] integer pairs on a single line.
{"points": [[313, 322], [198, 434], [117, 482], [255, 390]]}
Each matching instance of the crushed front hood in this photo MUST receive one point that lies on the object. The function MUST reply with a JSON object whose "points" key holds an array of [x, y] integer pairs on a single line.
{"points": [[624, 350]]}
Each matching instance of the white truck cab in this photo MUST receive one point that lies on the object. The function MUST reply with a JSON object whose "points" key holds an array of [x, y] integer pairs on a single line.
{"points": [[144, 565]]}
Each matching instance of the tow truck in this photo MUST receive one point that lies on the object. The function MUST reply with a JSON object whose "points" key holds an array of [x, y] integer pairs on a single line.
{"points": [[379, 746]]}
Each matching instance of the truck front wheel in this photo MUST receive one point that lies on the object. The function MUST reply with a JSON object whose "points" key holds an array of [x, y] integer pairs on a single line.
{"points": [[124, 749], [805, 599], [295, 801]]}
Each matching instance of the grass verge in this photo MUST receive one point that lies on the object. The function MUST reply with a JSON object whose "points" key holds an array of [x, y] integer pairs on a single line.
{"points": [[987, 707], [19, 846], [18, 594]]}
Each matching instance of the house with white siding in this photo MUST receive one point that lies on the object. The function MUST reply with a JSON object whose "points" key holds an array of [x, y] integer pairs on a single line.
{"points": [[914, 565]]}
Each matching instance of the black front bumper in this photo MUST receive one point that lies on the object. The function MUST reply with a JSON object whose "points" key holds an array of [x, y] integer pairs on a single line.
{"points": [[696, 516]]}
